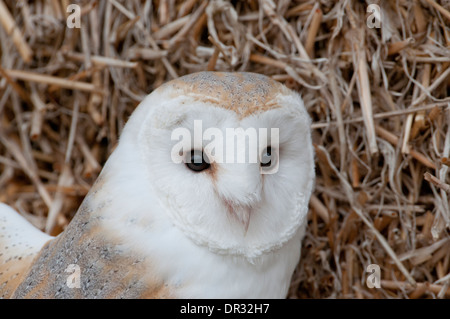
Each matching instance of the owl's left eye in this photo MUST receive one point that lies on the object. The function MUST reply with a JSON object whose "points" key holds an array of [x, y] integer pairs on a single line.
{"points": [[195, 161], [266, 157]]}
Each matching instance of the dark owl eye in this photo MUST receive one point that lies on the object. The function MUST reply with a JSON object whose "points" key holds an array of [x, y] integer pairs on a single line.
{"points": [[195, 161], [266, 157]]}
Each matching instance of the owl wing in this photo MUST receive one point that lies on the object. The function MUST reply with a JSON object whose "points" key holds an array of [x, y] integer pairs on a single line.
{"points": [[82, 262], [20, 242]]}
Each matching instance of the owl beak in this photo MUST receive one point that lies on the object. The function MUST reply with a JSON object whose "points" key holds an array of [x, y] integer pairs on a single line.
{"points": [[241, 213], [244, 217]]}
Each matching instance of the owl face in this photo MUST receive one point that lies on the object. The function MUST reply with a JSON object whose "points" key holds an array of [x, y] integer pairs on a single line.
{"points": [[230, 158]]}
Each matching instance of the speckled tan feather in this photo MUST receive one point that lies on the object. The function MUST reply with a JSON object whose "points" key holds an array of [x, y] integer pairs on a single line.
{"points": [[20, 243], [107, 271], [243, 93]]}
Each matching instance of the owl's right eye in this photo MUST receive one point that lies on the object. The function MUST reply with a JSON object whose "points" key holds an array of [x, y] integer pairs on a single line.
{"points": [[266, 157], [195, 161]]}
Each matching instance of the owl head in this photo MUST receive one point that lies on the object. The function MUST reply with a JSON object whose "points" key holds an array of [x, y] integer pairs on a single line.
{"points": [[226, 158]]}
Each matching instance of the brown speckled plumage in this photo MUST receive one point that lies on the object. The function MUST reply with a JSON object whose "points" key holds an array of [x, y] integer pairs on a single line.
{"points": [[243, 93], [107, 271]]}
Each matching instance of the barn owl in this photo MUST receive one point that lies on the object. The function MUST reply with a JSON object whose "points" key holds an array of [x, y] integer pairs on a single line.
{"points": [[153, 226]]}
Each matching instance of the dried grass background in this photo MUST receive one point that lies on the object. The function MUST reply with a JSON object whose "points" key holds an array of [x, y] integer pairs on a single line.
{"points": [[378, 97]]}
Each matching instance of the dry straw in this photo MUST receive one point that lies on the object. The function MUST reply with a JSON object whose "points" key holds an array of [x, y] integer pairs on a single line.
{"points": [[377, 90]]}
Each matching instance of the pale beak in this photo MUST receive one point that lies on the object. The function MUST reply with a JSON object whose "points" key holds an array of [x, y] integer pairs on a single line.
{"points": [[241, 213]]}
